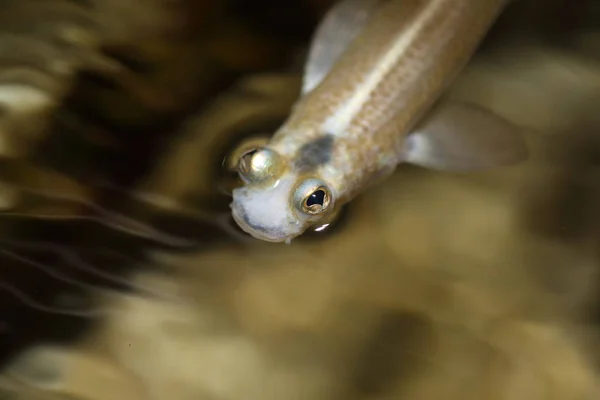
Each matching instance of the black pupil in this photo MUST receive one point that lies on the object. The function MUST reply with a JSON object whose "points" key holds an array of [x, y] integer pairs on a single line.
{"points": [[318, 198]]}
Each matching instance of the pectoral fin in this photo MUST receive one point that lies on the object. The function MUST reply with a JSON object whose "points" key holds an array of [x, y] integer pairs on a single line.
{"points": [[462, 137], [339, 28]]}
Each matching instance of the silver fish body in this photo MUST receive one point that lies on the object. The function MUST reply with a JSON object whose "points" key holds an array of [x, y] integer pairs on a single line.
{"points": [[375, 73]]}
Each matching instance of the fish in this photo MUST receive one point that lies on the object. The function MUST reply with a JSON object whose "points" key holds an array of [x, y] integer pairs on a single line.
{"points": [[372, 97]]}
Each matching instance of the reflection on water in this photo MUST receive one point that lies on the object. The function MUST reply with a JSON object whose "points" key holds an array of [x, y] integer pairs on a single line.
{"points": [[123, 276]]}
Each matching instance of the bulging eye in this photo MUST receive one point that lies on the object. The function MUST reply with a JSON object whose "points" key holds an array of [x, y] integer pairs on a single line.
{"points": [[244, 151], [254, 162], [259, 165], [313, 197]]}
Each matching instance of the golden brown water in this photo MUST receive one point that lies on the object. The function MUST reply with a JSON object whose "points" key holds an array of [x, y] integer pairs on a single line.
{"points": [[430, 285]]}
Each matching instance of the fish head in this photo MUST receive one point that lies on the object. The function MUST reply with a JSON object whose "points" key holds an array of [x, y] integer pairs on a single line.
{"points": [[277, 204]]}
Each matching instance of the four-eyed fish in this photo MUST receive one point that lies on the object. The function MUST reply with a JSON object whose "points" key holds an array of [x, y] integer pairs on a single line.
{"points": [[371, 99]]}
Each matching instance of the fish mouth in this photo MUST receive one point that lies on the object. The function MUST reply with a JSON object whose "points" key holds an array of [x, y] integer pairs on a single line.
{"points": [[256, 231]]}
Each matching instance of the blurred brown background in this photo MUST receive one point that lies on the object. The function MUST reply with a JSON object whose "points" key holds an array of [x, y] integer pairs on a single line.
{"points": [[122, 278]]}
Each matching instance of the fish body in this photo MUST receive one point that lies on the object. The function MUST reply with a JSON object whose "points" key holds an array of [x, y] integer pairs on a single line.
{"points": [[375, 73]]}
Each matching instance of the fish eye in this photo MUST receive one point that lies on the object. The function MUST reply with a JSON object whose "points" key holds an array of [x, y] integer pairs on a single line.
{"points": [[259, 164], [313, 197], [244, 150], [253, 161]]}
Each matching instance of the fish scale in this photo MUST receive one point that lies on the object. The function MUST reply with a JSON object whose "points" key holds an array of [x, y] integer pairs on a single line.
{"points": [[410, 77]]}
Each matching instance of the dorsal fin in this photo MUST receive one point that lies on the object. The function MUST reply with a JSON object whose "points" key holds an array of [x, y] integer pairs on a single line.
{"points": [[337, 30]]}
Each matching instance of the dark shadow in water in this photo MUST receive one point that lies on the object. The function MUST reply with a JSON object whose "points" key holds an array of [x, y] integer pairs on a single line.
{"points": [[392, 353]]}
